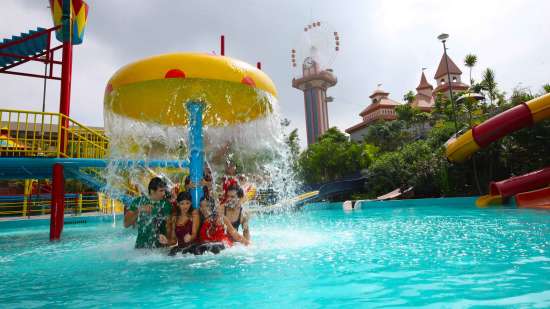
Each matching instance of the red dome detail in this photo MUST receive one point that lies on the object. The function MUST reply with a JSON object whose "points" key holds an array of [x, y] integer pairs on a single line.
{"points": [[175, 73], [108, 89], [248, 81]]}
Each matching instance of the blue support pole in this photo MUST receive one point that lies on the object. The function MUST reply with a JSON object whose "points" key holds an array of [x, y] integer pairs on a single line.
{"points": [[196, 150]]}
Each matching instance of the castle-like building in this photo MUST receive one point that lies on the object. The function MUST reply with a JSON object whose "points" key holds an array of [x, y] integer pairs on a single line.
{"points": [[382, 107]]}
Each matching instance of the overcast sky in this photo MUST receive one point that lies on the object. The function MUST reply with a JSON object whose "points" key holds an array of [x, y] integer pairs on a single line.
{"points": [[384, 42]]}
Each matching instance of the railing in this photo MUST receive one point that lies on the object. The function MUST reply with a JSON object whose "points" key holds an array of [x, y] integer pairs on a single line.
{"points": [[109, 205], [42, 134], [75, 203], [33, 205]]}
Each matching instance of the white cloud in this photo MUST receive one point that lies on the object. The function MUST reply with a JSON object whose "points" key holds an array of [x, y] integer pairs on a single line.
{"points": [[382, 41]]}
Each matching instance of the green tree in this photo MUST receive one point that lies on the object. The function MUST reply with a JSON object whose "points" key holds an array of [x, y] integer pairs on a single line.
{"points": [[387, 135], [440, 133], [422, 117], [409, 97], [293, 143], [419, 120], [334, 135], [413, 165], [334, 156], [489, 84], [405, 113], [443, 109], [546, 88], [470, 61], [520, 95]]}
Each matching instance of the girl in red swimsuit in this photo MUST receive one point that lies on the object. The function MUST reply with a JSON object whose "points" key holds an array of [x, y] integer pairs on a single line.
{"points": [[213, 230], [215, 235]]}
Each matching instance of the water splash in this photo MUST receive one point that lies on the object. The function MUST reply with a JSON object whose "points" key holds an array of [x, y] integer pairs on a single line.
{"points": [[257, 147]]}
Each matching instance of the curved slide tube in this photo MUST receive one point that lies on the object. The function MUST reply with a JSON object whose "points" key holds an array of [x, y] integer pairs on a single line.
{"points": [[538, 199], [512, 186], [521, 116], [499, 190]]}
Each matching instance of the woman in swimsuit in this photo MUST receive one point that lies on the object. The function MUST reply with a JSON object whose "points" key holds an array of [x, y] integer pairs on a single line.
{"points": [[186, 225], [233, 211]]}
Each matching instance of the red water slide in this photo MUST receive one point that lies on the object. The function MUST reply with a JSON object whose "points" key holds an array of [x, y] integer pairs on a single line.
{"points": [[495, 128], [515, 185], [539, 199], [521, 116]]}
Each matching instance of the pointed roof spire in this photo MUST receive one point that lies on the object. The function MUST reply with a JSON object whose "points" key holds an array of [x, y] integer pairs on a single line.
{"points": [[379, 93], [424, 83], [442, 67]]}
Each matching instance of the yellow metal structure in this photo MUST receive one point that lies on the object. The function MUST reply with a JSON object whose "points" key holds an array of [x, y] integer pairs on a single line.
{"points": [[38, 134], [156, 89], [108, 205], [79, 203], [26, 193], [41, 206]]}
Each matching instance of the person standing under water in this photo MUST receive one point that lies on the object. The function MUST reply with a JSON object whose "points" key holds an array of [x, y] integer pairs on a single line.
{"points": [[150, 213]]}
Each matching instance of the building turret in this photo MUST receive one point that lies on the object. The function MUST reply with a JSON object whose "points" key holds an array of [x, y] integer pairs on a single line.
{"points": [[442, 77], [424, 95]]}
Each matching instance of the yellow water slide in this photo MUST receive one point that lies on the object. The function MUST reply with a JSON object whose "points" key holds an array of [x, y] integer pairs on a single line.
{"points": [[462, 147]]}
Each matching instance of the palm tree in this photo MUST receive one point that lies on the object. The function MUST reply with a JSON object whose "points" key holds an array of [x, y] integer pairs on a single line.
{"points": [[490, 84], [470, 61]]}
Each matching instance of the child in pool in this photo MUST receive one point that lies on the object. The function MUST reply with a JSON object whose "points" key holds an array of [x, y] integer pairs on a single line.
{"points": [[215, 234]]}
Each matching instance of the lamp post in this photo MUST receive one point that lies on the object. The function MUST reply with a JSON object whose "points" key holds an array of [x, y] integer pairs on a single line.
{"points": [[443, 38]]}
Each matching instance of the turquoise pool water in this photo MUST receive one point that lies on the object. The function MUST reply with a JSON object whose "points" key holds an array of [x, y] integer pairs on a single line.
{"points": [[398, 255]]}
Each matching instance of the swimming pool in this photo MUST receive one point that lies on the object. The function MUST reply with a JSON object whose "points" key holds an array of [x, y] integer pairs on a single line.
{"points": [[386, 255]]}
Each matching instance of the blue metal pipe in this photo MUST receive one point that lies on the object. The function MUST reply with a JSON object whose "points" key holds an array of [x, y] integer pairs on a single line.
{"points": [[22, 168], [196, 150], [153, 163]]}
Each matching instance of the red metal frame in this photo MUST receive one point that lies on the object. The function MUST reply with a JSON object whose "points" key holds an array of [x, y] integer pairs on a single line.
{"points": [[48, 57], [44, 57], [65, 94], [58, 202]]}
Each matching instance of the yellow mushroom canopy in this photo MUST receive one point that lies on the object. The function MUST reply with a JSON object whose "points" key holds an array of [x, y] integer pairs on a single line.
{"points": [[156, 89]]}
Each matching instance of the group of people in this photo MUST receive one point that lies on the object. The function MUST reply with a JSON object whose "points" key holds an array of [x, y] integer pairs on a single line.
{"points": [[168, 219]]}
